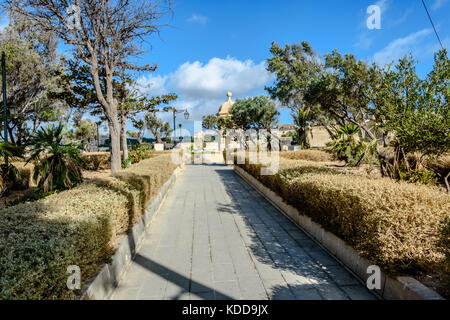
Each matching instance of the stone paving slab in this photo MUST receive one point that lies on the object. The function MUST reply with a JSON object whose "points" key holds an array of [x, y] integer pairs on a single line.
{"points": [[217, 238]]}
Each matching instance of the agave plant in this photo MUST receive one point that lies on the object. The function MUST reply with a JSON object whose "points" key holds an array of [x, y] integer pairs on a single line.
{"points": [[348, 146], [9, 174], [57, 164]]}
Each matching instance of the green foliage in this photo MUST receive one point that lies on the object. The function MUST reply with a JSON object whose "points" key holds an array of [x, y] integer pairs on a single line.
{"points": [[210, 122], [419, 176], [254, 113], [157, 127], [126, 163], [417, 110], [348, 146], [11, 150], [11, 176], [33, 74], [296, 68], [31, 197], [139, 153], [57, 164]]}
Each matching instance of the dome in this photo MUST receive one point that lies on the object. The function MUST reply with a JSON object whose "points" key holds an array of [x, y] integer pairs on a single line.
{"points": [[225, 109]]}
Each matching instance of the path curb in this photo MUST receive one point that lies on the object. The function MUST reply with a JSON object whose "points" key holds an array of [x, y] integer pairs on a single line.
{"points": [[102, 285], [400, 288]]}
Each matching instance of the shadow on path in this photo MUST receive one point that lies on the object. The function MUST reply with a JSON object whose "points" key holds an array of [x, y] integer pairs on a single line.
{"points": [[183, 283]]}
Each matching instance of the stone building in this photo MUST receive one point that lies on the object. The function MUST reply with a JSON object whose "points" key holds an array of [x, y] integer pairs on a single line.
{"points": [[318, 137]]}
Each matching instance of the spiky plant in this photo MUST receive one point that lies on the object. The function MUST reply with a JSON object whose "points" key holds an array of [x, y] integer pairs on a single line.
{"points": [[9, 174], [57, 164]]}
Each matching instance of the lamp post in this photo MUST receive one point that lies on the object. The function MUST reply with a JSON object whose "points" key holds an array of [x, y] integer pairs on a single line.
{"points": [[175, 112], [5, 110], [98, 123]]}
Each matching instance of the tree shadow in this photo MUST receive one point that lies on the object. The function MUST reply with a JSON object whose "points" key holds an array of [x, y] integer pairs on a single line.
{"points": [[278, 243], [184, 284]]}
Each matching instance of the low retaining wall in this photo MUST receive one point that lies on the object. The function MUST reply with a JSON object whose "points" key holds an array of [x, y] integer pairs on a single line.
{"points": [[102, 285], [400, 288]]}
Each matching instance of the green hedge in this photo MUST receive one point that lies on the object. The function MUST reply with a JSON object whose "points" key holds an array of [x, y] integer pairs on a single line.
{"points": [[39, 240]]}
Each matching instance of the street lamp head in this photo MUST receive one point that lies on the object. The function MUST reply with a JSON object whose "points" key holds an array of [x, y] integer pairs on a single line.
{"points": [[186, 115]]}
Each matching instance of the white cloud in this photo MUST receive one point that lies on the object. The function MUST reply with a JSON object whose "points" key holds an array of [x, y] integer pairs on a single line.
{"points": [[383, 4], [213, 79], [402, 46], [202, 87], [154, 85], [196, 18], [438, 4]]}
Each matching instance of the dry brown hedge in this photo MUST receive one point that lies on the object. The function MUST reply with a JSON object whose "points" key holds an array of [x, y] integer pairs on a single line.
{"points": [[39, 240], [311, 155], [94, 161], [394, 224]]}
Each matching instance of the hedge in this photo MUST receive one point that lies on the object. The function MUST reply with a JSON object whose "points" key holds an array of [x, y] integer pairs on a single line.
{"points": [[39, 240], [394, 224], [311, 155], [96, 161]]}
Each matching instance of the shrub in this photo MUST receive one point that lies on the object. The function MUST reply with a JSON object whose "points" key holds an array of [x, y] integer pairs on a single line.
{"points": [[351, 148], [11, 176], [139, 153], [95, 161], [57, 165], [394, 224], [39, 240]]}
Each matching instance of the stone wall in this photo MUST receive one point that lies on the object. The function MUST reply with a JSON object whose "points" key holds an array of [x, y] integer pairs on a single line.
{"points": [[318, 137]]}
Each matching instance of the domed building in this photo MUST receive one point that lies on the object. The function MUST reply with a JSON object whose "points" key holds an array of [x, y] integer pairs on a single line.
{"points": [[225, 108]]}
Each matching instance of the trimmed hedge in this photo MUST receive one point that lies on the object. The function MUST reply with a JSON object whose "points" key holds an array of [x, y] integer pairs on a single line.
{"points": [[394, 224], [311, 155], [39, 240]]}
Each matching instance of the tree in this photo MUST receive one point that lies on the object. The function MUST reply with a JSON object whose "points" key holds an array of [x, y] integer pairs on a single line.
{"points": [[210, 122], [33, 73], [158, 128], [254, 113], [105, 36], [140, 126], [85, 132], [296, 67], [416, 112], [342, 92]]}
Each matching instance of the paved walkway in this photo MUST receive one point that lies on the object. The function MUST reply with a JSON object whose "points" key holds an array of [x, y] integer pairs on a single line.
{"points": [[217, 238]]}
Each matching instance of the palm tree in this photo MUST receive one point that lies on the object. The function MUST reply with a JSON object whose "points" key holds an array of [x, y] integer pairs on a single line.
{"points": [[57, 164]]}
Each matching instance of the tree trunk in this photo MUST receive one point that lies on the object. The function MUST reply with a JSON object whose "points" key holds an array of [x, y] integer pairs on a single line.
{"points": [[158, 138], [123, 136], [116, 163]]}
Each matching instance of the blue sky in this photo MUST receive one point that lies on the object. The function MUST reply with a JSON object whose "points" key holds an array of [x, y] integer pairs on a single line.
{"points": [[214, 46]]}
